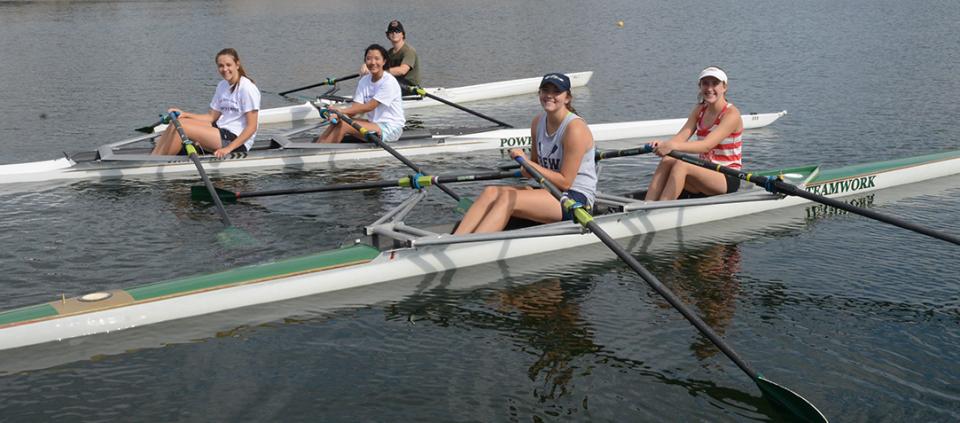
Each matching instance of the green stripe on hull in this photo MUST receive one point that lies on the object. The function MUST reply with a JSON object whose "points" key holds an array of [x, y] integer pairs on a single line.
{"points": [[358, 253], [876, 167], [25, 314]]}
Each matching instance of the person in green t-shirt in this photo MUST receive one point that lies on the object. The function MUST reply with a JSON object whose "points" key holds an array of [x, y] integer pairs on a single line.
{"points": [[403, 62]]}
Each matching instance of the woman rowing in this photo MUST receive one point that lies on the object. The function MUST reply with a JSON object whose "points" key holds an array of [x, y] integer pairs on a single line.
{"points": [[377, 92], [230, 124], [718, 125], [562, 150]]}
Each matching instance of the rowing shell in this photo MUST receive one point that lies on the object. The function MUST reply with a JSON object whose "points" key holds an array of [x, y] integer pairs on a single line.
{"points": [[127, 159], [464, 94], [427, 252]]}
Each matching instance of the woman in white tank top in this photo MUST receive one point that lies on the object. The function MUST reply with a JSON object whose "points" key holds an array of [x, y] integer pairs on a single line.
{"points": [[569, 165], [718, 126]]}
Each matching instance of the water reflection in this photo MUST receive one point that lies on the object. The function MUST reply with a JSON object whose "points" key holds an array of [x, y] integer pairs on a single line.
{"points": [[551, 323], [706, 278]]}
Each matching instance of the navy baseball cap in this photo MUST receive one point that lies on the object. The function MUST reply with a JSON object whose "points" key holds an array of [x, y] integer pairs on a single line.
{"points": [[559, 80]]}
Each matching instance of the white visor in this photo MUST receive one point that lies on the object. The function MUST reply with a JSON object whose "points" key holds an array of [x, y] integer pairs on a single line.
{"points": [[714, 72]]}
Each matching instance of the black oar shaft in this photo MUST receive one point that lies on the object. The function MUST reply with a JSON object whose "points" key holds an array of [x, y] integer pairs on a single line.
{"points": [[329, 81], [410, 182], [422, 92], [379, 142], [605, 154], [192, 153], [609, 154], [789, 399], [780, 186]]}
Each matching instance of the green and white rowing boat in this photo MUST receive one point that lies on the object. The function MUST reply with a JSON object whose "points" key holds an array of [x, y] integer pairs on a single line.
{"points": [[424, 251]]}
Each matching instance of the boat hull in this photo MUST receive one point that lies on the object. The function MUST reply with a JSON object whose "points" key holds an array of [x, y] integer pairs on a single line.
{"points": [[65, 169], [464, 94], [362, 265]]}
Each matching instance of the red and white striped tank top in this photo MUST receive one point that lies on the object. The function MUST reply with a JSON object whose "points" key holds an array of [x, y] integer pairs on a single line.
{"points": [[728, 152]]}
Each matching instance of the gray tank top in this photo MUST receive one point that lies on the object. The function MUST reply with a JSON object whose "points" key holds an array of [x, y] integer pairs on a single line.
{"points": [[550, 155]]}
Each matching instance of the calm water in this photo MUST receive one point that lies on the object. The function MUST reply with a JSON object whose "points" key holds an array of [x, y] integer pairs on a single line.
{"points": [[860, 318]]}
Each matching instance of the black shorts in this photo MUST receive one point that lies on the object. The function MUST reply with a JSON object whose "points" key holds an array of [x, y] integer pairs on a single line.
{"points": [[226, 137], [733, 183]]}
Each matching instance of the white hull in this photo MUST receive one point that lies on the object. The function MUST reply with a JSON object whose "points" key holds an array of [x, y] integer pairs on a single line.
{"points": [[457, 95], [425, 259], [64, 169]]}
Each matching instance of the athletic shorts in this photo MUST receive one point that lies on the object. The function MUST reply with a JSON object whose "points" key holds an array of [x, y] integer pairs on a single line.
{"points": [[390, 132], [733, 183], [575, 196]]}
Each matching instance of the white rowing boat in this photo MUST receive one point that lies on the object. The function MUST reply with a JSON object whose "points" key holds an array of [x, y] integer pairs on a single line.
{"points": [[424, 251], [463, 94], [131, 158]]}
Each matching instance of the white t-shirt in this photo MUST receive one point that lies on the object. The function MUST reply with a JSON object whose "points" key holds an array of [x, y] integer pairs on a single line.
{"points": [[233, 106], [387, 92]]}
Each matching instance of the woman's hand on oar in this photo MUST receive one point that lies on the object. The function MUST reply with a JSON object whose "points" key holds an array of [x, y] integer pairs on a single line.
{"points": [[423, 93], [773, 184], [328, 81], [231, 236], [781, 395], [201, 193]]}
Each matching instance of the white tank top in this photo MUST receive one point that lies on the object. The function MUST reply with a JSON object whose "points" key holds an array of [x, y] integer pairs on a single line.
{"points": [[550, 156]]}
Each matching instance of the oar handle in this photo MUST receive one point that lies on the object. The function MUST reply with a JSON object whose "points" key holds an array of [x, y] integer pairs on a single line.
{"points": [[187, 144], [325, 113], [328, 81]]}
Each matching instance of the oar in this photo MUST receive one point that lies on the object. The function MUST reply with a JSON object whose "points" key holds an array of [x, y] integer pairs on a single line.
{"points": [[423, 93], [201, 193], [232, 235], [462, 203], [773, 184], [328, 81], [149, 129], [779, 394], [601, 155]]}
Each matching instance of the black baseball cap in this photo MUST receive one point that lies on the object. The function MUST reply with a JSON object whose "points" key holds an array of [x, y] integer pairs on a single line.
{"points": [[396, 26]]}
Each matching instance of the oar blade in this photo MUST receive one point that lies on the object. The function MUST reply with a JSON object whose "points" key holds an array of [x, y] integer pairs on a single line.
{"points": [[148, 129], [802, 409], [463, 205], [234, 238], [201, 193]]}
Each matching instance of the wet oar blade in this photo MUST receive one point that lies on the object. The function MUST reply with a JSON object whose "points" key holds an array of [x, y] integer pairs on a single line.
{"points": [[790, 400], [233, 238], [148, 129], [201, 193]]}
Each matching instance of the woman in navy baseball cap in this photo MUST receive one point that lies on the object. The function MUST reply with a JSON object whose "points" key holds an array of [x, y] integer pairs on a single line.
{"points": [[561, 149]]}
